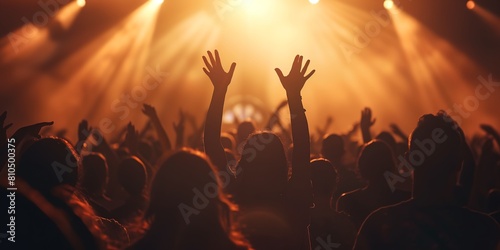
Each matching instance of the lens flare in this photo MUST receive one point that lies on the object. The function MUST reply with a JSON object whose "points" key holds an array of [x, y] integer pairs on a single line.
{"points": [[388, 4], [471, 5], [81, 3], [314, 1]]}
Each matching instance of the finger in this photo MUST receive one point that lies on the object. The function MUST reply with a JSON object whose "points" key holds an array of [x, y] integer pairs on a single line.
{"points": [[212, 60], [279, 73], [373, 121], [310, 74], [206, 72], [231, 70], [3, 116], [217, 57], [295, 63], [304, 70], [42, 124], [8, 126], [207, 63]]}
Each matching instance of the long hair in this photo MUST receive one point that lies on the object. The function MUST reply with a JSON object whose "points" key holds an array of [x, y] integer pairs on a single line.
{"points": [[262, 171], [186, 199]]}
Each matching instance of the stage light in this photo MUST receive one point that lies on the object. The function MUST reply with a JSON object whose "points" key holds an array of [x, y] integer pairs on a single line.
{"points": [[314, 1], [81, 3], [471, 4], [157, 1], [388, 4]]}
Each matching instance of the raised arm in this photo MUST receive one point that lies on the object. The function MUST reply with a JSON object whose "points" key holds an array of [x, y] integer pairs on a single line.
{"points": [[220, 80], [179, 129], [398, 132], [491, 131], [3, 140], [365, 124], [293, 84], [150, 112]]}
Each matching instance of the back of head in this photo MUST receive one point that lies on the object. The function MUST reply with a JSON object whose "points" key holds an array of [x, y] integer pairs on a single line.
{"points": [[132, 175], [387, 138], [94, 175], [435, 147], [374, 160], [49, 162], [180, 178], [227, 141], [245, 129], [263, 166], [187, 201], [333, 147], [323, 177]]}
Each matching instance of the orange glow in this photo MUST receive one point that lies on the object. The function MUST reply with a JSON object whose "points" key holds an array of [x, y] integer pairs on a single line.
{"points": [[388, 4], [489, 18], [81, 3], [470, 4]]}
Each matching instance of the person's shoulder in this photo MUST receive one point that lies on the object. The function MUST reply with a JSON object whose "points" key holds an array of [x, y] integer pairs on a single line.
{"points": [[392, 210], [482, 219], [351, 194]]}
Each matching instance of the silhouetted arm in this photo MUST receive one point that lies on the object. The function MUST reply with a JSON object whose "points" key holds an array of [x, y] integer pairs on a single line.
{"points": [[3, 140], [366, 123], [179, 130], [465, 183], [293, 84], [150, 112], [397, 131], [491, 131], [220, 80], [274, 119]]}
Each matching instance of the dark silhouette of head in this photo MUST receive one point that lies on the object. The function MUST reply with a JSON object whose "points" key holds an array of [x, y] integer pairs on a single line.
{"points": [[49, 162], [245, 129], [263, 168], [435, 150], [387, 138], [94, 177], [435, 146], [227, 141], [333, 148], [374, 160], [146, 151], [132, 175], [323, 177], [185, 182]]}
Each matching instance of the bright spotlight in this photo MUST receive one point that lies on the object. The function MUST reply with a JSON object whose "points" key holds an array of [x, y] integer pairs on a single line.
{"points": [[157, 1], [314, 1], [388, 4], [81, 3], [471, 4]]}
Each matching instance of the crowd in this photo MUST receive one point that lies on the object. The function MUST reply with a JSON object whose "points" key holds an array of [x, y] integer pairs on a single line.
{"points": [[250, 188]]}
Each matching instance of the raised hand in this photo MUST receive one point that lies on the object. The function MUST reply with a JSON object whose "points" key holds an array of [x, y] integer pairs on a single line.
{"points": [[365, 123], [3, 128], [366, 119], [297, 77], [31, 130], [179, 127], [148, 110], [215, 71], [131, 138], [489, 129], [83, 130]]}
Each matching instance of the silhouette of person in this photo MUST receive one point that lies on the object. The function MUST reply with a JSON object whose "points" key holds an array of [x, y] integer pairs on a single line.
{"points": [[431, 219]]}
